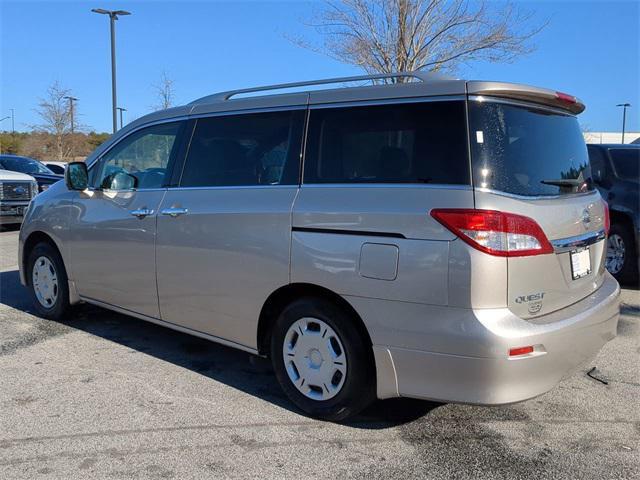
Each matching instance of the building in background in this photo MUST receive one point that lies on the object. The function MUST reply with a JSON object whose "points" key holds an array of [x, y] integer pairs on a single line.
{"points": [[611, 137]]}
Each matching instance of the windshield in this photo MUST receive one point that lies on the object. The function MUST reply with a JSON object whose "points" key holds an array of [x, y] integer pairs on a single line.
{"points": [[626, 162], [527, 150], [23, 165]]}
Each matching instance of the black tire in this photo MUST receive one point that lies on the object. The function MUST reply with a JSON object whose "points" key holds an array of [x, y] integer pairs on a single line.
{"points": [[58, 309], [358, 389], [628, 274]]}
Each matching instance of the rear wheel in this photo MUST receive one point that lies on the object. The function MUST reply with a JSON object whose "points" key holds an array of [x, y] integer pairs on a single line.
{"points": [[48, 281], [622, 261], [321, 360]]}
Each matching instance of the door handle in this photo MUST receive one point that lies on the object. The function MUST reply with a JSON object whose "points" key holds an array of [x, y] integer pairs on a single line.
{"points": [[141, 212], [174, 212]]}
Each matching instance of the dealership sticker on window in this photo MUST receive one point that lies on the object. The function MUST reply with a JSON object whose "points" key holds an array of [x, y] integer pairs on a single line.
{"points": [[479, 136]]}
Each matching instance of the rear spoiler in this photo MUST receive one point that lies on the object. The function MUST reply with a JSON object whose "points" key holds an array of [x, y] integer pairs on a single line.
{"points": [[527, 93]]}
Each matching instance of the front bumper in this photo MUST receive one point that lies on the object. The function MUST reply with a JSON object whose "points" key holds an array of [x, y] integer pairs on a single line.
{"points": [[569, 337], [12, 212]]}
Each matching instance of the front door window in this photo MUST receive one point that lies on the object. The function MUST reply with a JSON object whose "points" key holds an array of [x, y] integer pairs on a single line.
{"points": [[139, 161]]}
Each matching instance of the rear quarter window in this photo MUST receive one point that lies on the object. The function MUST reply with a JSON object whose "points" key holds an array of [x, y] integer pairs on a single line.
{"points": [[398, 143]]}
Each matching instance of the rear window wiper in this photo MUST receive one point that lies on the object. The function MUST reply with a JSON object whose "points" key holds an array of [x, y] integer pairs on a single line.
{"points": [[563, 182]]}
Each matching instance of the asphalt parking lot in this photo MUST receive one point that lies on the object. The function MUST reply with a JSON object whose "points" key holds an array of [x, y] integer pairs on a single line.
{"points": [[108, 396]]}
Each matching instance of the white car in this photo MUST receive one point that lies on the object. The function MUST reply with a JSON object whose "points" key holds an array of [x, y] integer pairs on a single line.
{"points": [[16, 191], [56, 167]]}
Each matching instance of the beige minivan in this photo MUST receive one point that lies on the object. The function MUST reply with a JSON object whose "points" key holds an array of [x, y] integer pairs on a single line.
{"points": [[420, 237]]}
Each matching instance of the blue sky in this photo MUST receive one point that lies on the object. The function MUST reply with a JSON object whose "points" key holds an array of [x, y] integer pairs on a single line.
{"points": [[590, 49]]}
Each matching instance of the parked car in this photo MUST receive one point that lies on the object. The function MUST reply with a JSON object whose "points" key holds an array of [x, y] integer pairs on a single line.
{"points": [[56, 167], [616, 172], [16, 191], [43, 175], [437, 239]]}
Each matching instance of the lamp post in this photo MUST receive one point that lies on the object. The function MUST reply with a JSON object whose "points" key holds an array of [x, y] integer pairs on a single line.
{"points": [[120, 109], [71, 100], [113, 16], [624, 116], [13, 125]]}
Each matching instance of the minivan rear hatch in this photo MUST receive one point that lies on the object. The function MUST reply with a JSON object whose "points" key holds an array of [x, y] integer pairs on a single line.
{"points": [[529, 158]]}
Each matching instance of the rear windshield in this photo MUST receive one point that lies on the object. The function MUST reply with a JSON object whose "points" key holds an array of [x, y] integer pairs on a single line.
{"points": [[626, 162], [527, 150]]}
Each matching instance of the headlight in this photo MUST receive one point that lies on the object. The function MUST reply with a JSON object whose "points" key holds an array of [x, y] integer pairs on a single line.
{"points": [[34, 189]]}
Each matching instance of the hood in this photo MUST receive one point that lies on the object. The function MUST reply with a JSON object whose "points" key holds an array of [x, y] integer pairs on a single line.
{"points": [[8, 175]]}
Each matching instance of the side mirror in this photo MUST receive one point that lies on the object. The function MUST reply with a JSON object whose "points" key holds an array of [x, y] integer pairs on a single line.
{"points": [[76, 176], [124, 181], [119, 180]]}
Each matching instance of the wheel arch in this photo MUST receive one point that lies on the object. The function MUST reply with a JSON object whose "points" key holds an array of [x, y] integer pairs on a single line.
{"points": [[280, 298], [30, 242], [621, 217]]}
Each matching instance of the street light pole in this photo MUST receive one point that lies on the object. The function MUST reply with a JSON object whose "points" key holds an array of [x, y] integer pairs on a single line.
{"points": [[71, 100], [624, 116], [120, 109], [113, 16], [13, 125], [112, 24]]}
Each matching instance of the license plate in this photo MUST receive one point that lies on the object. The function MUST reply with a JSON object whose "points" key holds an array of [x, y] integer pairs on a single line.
{"points": [[580, 263]]}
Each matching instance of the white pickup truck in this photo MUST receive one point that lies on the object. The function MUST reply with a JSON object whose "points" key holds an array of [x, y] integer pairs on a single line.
{"points": [[16, 191]]}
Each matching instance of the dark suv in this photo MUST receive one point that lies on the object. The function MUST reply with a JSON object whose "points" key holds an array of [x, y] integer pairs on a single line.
{"points": [[43, 175], [616, 172]]}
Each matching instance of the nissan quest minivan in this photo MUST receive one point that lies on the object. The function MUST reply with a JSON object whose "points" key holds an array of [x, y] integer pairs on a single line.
{"points": [[417, 237]]}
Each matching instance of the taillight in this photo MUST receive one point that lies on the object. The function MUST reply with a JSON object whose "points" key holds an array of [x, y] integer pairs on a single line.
{"points": [[607, 218], [497, 233]]}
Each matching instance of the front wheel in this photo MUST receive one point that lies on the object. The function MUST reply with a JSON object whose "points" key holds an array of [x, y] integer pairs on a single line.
{"points": [[48, 283], [321, 360]]}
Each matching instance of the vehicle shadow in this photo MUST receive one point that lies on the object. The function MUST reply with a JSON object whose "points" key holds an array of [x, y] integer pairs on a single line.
{"points": [[246, 372], [631, 286]]}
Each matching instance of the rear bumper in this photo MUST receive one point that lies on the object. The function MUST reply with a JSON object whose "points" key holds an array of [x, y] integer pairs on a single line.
{"points": [[568, 338]]}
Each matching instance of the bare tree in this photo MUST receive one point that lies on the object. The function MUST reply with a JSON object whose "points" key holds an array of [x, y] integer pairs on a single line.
{"points": [[55, 113], [384, 36], [165, 94]]}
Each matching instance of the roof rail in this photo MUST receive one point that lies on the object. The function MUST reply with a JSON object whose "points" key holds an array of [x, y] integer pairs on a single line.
{"points": [[223, 96]]}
